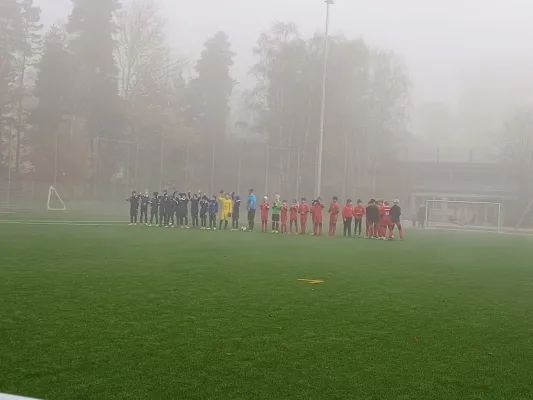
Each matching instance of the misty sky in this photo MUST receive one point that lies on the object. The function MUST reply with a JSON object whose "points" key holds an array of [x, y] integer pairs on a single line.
{"points": [[443, 43]]}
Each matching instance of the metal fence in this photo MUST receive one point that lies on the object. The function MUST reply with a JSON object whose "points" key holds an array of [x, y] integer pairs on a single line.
{"points": [[102, 180]]}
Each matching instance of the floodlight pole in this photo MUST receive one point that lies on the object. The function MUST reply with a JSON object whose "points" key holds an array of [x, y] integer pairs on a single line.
{"points": [[298, 175], [136, 162], [161, 163], [323, 106], [55, 157], [9, 165], [239, 169]]}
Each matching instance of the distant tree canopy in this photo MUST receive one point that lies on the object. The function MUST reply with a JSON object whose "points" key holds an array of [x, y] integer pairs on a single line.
{"points": [[367, 103], [111, 73]]}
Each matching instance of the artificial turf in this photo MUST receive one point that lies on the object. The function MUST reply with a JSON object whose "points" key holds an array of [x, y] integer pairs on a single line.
{"points": [[116, 312]]}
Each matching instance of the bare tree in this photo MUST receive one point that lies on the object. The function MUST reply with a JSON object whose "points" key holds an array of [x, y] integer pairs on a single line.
{"points": [[142, 50]]}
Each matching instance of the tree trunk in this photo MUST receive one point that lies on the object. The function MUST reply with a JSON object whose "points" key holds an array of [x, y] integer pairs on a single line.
{"points": [[19, 117]]}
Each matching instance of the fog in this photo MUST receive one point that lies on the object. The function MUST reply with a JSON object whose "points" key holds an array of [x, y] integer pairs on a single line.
{"points": [[460, 82], [445, 44]]}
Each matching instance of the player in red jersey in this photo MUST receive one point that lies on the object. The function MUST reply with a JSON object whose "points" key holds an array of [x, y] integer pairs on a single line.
{"points": [[303, 210], [385, 220], [334, 211], [293, 215], [318, 217], [395, 221], [284, 216], [312, 212], [380, 225], [359, 212], [265, 208], [347, 215]]}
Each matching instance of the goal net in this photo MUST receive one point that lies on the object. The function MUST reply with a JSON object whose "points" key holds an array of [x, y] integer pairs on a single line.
{"points": [[463, 215], [55, 203]]}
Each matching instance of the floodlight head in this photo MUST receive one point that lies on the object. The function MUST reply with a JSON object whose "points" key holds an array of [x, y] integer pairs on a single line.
{"points": [[330, 2]]}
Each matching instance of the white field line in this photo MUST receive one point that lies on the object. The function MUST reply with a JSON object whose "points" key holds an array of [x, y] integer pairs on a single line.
{"points": [[61, 221], [4, 396], [58, 224], [479, 231]]}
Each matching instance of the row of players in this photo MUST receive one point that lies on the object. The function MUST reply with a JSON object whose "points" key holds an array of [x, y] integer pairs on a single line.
{"points": [[380, 216], [170, 211]]}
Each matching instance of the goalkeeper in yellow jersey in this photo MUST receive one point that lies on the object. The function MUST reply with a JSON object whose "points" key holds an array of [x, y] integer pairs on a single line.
{"points": [[226, 209]]}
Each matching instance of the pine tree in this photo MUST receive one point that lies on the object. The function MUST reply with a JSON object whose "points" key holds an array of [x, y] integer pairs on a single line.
{"points": [[18, 36], [11, 39], [31, 27], [92, 26], [209, 94], [213, 86], [53, 91]]}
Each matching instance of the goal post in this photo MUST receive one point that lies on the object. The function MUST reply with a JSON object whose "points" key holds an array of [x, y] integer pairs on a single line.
{"points": [[463, 215], [55, 203]]}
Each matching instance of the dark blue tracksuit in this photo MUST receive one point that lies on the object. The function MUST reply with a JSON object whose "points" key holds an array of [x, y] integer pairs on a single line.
{"points": [[213, 210]]}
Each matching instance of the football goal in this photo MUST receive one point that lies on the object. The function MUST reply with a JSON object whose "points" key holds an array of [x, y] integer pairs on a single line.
{"points": [[55, 203], [463, 215]]}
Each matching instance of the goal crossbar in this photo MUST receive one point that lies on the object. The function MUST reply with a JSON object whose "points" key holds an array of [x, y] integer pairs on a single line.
{"points": [[469, 212], [463, 202]]}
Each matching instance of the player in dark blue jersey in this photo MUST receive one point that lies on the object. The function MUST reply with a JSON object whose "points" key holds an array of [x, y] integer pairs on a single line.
{"points": [[163, 199], [154, 209], [195, 203], [204, 209], [134, 207], [145, 201]]}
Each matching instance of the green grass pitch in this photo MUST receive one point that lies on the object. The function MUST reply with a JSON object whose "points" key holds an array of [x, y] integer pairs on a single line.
{"points": [[117, 312]]}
